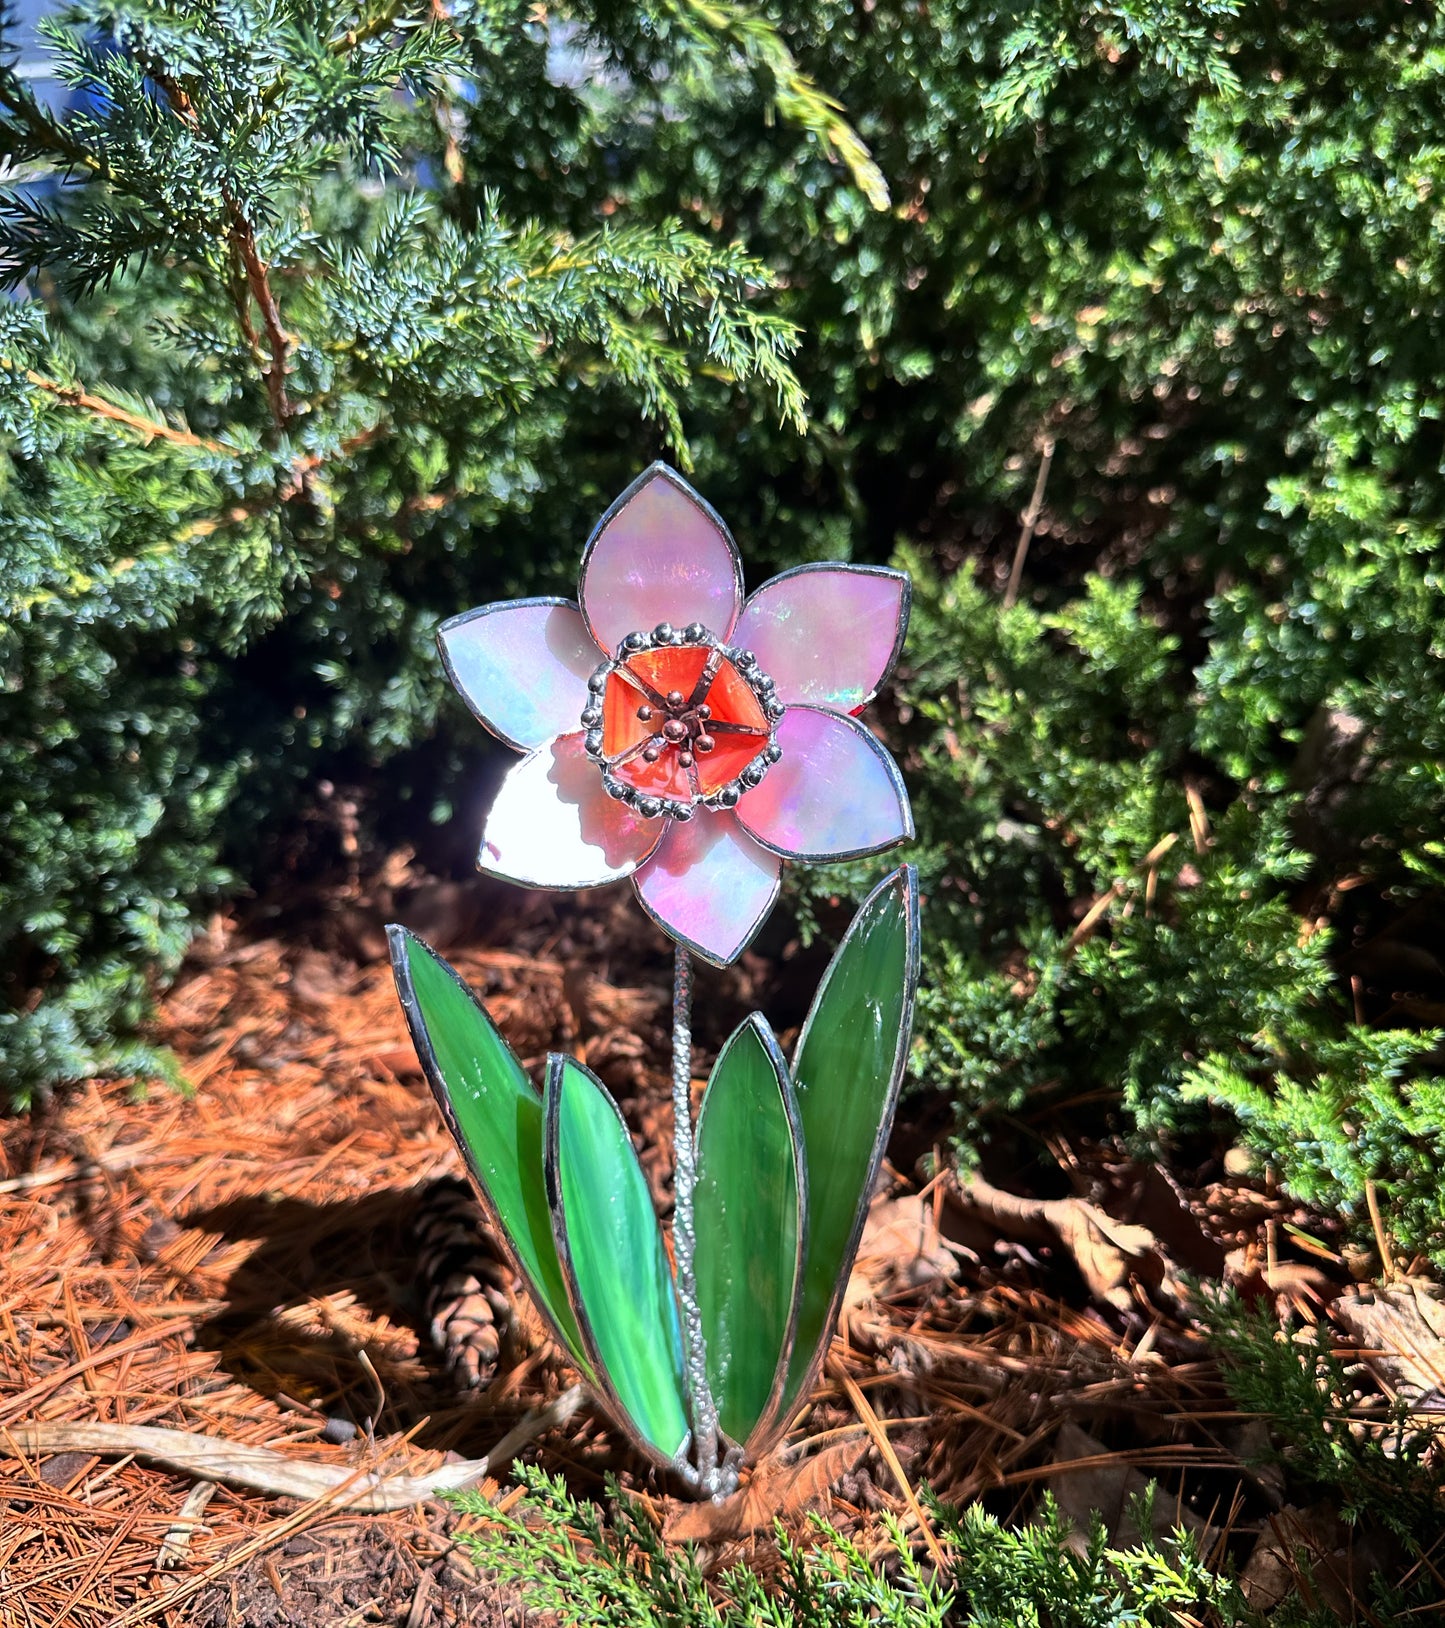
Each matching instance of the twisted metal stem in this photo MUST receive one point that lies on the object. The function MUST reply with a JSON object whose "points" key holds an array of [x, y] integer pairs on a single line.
{"points": [[684, 1236]]}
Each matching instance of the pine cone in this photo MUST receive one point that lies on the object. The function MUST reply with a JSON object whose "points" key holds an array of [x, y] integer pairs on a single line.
{"points": [[463, 1282]]}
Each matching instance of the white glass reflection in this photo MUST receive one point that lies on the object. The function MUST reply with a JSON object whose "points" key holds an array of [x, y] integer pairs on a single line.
{"points": [[552, 824]]}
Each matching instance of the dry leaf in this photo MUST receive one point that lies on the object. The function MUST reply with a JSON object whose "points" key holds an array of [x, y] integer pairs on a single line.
{"points": [[1157, 1202], [1311, 1550], [1093, 1481], [902, 1251], [1108, 1253], [1406, 1322], [774, 1489]]}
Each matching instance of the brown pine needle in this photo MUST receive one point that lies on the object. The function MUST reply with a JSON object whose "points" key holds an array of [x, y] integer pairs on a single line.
{"points": [[864, 1409]]}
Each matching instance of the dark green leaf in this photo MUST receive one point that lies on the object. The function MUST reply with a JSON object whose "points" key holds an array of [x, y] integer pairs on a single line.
{"points": [[750, 1176], [611, 1249], [846, 1073], [494, 1113]]}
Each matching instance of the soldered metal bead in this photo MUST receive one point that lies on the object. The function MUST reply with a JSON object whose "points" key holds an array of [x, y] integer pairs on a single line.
{"points": [[644, 712], [634, 641], [728, 796], [680, 811], [704, 743], [675, 698], [773, 753], [685, 759], [598, 680], [592, 741], [663, 633], [650, 754], [614, 787], [591, 717], [675, 730], [704, 711], [745, 659], [649, 807]]}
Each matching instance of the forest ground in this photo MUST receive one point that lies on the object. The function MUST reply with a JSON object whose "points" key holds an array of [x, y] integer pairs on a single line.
{"points": [[238, 1262]]}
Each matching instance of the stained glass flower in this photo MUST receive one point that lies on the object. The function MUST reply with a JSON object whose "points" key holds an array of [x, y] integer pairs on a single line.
{"points": [[674, 733]]}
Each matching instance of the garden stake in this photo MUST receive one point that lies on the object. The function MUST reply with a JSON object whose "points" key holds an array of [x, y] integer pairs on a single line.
{"points": [[678, 736], [684, 1236]]}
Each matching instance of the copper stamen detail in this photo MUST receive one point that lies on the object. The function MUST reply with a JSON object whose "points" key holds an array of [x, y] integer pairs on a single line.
{"points": [[684, 724]]}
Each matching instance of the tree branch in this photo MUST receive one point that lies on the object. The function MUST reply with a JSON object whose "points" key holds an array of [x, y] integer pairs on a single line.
{"points": [[241, 237], [367, 30], [71, 395], [278, 341]]}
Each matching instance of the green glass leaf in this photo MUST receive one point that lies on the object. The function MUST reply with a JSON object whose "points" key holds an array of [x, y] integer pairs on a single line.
{"points": [[749, 1235], [846, 1072], [612, 1254], [495, 1114]]}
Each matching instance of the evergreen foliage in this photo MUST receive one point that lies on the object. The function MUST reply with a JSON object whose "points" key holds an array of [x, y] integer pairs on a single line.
{"points": [[1373, 1466], [1189, 256], [1077, 735], [596, 1567], [269, 418], [277, 383]]}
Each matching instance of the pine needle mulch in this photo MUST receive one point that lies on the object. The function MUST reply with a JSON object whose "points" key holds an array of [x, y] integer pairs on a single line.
{"points": [[237, 1263]]}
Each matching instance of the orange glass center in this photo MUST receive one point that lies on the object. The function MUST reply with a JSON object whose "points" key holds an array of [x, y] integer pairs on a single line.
{"points": [[680, 722]]}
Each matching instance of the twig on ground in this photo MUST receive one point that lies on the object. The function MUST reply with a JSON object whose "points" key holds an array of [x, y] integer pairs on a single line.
{"points": [[111, 1164], [176, 1544], [278, 1474]]}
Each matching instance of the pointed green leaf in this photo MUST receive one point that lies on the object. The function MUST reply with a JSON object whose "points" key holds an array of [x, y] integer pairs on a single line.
{"points": [[612, 1254], [846, 1073], [748, 1255], [493, 1111]]}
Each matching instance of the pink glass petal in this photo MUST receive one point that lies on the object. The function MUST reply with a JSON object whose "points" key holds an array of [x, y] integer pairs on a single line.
{"points": [[835, 793], [827, 634], [659, 555], [710, 886], [522, 667], [552, 824]]}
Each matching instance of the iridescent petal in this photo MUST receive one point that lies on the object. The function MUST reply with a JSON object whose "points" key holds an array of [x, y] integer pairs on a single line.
{"points": [[835, 794], [828, 634], [552, 824], [660, 554], [710, 886], [522, 667]]}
